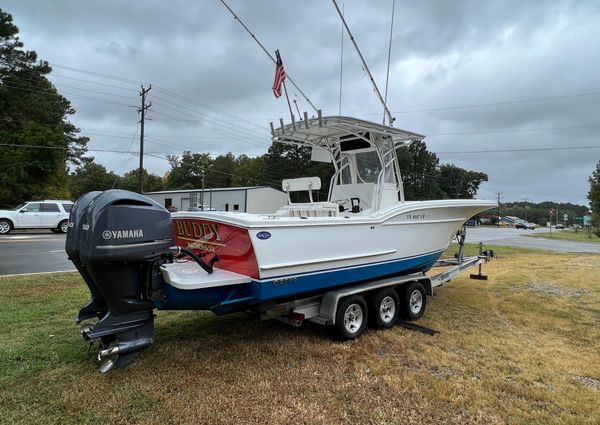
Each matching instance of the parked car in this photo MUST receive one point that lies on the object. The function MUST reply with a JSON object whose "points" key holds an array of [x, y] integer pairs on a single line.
{"points": [[50, 214], [559, 226], [525, 225]]}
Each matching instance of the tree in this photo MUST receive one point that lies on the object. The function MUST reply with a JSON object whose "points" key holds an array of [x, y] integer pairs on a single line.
{"points": [[90, 176], [39, 139], [249, 171], [221, 172], [419, 171], [284, 161], [457, 182], [187, 172], [594, 196], [131, 181]]}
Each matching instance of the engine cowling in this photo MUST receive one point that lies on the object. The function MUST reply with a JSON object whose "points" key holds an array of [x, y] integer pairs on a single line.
{"points": [[117, 240]]}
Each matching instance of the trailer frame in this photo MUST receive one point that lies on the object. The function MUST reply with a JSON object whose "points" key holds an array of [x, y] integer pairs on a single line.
{"points": [[323, 308]]}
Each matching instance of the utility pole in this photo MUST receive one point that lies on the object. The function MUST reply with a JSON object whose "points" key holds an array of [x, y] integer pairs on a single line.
{"points": [[525, 200], [142, 110], [498, 194]]}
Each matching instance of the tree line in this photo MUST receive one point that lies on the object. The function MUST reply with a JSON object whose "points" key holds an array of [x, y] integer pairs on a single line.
{"points": [[424, 177], [540, 213]]}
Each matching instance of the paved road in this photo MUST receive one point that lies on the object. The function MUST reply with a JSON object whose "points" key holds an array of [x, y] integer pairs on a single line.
{"points": [[515, 237], [33, 252], [43, 251]]}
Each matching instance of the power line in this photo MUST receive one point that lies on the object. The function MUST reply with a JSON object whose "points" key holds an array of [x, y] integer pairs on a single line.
{"points": [[201, 105], [507, 102], [516, 130], [98, 74], [239, 130], [548, 148], [91, 82], [19, 81], [194, 123], [48, 92]]}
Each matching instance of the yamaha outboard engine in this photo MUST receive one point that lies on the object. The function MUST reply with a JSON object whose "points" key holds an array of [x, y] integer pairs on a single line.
{"points": [[117, 241]]}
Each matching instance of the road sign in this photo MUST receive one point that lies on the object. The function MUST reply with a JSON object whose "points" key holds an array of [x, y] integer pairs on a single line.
{"points": [[565, 217], [587, 220]]}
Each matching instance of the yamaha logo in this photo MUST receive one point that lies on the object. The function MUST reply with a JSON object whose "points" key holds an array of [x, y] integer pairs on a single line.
{"points": [[122, 234]]}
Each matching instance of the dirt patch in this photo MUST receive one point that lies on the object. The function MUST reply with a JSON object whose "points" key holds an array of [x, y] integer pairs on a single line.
{"points": [[546, 288]]}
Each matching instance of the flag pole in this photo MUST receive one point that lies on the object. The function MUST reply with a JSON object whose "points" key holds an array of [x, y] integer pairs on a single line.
{"points": [[288, 101]]}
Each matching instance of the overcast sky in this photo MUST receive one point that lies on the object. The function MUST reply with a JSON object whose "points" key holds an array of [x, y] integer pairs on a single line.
{"points": [[471, 75]]}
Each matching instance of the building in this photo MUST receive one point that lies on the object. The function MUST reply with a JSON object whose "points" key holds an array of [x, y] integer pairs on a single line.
{"points": [[253, 199], [511, 220]]}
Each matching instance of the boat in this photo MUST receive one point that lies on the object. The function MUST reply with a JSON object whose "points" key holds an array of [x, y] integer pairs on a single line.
{"points": [[135, 256], [365, 229]]}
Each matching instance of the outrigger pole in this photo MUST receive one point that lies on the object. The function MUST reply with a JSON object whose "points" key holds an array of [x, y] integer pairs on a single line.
{"points": [[364, 64], [268, 54]]}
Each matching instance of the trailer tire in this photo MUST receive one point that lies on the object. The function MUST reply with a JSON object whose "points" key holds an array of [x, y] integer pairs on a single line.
{"points": [[384, 309], [413, 300], [351, 317]]}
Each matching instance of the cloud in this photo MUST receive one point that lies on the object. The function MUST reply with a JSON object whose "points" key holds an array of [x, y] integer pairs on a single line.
{"points": [[444, 54]]}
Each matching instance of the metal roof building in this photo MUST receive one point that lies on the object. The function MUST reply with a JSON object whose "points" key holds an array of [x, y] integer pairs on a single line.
{"points": [[250, 199]]}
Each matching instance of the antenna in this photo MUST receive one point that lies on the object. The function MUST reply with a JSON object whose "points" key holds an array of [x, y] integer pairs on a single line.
{"points": [[342, 64], [268, 54], [364, 64], [387, 76]]}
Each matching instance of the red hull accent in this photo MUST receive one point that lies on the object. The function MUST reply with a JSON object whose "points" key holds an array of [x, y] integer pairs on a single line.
{"points": [[232, 244]]}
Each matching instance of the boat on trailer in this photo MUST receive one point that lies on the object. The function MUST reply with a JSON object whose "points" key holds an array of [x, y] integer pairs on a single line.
{"points": [[365, 229], [135, 256]]}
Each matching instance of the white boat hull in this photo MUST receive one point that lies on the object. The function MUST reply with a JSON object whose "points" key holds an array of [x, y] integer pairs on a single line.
{"points": [[296, 255]]}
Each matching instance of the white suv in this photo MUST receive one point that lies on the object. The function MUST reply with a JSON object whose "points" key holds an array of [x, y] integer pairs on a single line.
{"points": [[51, 214]]}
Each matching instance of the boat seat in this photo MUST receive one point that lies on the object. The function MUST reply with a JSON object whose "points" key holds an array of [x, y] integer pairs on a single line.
{"points": [[306, 209], [310, 209]]}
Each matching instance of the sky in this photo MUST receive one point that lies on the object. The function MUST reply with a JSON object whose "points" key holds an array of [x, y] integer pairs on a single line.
{"points": [[472, 76]]}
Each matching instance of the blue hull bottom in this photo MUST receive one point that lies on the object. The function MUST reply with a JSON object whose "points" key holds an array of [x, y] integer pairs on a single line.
{"points": [[228, 299]]}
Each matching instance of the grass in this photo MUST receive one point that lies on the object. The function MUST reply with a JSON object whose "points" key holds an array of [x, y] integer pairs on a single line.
{"points": [[522, 347], [567, 234]]}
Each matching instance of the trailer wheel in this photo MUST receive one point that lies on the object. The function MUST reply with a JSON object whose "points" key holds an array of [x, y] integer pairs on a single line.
{"points": [[384, 309], [351, 317], [413, 300]]}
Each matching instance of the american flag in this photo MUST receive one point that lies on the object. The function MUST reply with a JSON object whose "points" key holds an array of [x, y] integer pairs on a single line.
{"points": [[279, 76]]}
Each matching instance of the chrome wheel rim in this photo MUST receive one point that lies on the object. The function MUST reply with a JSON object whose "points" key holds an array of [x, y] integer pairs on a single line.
{"points": [[387, 309], [4, 227], [416, 301], [64, 227], [353, 318]]}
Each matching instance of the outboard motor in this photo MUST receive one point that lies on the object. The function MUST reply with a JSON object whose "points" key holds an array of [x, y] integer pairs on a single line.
{"points": [[117, 241]]}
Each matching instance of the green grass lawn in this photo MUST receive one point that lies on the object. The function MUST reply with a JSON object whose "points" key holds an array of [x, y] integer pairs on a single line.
{"points": [[567, 234], [522, 347]]}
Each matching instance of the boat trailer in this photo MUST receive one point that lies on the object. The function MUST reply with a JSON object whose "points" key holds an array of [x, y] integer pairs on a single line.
{"points": [[324, 309]]}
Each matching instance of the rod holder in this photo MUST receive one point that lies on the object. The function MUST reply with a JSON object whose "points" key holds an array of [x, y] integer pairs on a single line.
{"points": [[306, 120]]}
